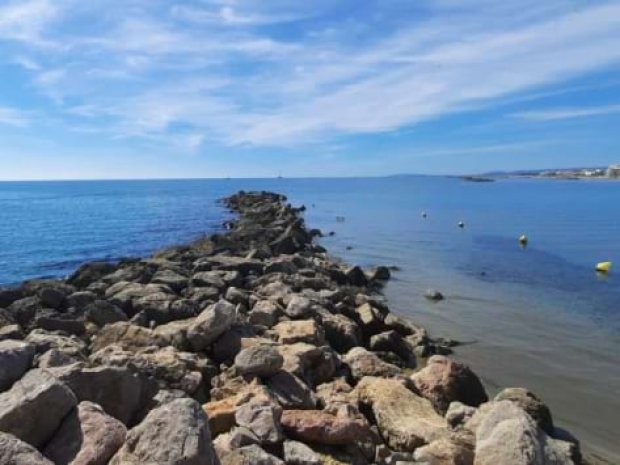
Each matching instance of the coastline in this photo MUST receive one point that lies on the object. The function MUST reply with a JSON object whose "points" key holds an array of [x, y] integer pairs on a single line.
{"points": [[267, 258]]}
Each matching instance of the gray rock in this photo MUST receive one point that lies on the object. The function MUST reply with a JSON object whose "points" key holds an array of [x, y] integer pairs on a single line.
{"points": [[63, 322], [8, 296], [81, 299], [297, 453], [119, 391], [15, 359], [16, 452], [45, 340], [90, 272], [265, 313], [52, 298], [55, 358], [260, 360], [11, 332], [176, 281], [214, 321], [532, 405], [458, 414], [365, 363], [262, 418], [34, 407], [87, 436], [249, 455], [291, 392], [102, 312], [177, 433], [298, 307], [24, 310], [356, 276], [341, 332]]}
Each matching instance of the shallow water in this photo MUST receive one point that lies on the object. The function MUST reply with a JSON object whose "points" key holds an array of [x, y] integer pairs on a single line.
{"points": [[537, 316]]}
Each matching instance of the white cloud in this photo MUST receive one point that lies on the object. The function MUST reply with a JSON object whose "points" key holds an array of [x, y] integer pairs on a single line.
{"points": [[25, 20], [13, 117], [553, 114]]}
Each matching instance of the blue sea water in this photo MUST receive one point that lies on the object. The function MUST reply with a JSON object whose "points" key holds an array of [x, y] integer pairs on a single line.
{"points": [[538, 316]]}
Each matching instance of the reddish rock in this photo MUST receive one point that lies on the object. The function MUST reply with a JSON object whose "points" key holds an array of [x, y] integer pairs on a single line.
{"points": [[319, 427]]}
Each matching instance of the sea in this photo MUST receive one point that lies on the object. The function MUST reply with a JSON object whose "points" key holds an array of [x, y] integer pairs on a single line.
{"points": [[538, 316]]}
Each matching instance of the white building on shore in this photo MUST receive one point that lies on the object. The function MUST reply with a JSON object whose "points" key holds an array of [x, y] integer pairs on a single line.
{"points": [[613, 171]]}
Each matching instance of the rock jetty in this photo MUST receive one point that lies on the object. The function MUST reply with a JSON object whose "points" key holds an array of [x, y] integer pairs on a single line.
{"points": [[250, 347]]}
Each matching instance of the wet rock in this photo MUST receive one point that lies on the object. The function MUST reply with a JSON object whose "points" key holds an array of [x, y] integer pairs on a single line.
{"points": [[102, 312], [319, 427], [365, 363], [21, 407], [370, 319], [297, 453], [52, 298], [89, 273], [121, 393], [443, 381], [290, 332], [391, 341], [8, 296], [24, 310], [380, 273], [405, 420], [508, 435], [445, 452], [260, 360], [15, 359], [87, 436], [298, 307], [532, 405], [433, 294], [16, 452], [356, 276], [215, 320], [177, 433], [262, 418]]}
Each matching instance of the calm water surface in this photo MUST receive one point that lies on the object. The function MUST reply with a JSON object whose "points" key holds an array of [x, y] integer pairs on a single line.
{"points": [[537, 316]]}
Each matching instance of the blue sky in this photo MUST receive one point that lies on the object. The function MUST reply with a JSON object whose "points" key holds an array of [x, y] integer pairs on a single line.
{"points": [[250, 88]]}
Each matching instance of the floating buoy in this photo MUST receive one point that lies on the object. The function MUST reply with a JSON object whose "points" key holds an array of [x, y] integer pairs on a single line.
{"points": [[603, 267], [523, 239], [461, 224]]}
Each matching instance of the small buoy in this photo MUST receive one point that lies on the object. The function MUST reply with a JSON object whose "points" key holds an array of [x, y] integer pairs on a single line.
{"points": [[423, 214], [603, 267], [461, 224], [523, 239]]}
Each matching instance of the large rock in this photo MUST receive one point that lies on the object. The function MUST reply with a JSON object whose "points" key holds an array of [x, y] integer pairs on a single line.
{"points": [[119, 391], [16, 452], [249, 455], [126, 335], [15, 359], [259, 360], [102, 312], [370, 319], [365, 363], [88, 436], [214, 321], [90, 272], [264, 313], [443, 381], [298, 307], [44, 340], [532, 405], [341, 332], [290, 332], [262, 417], [291, 392], [445, 452], [34, 407], [315, 365], [507, 435], [297, 453], [406, 421], [319, 427], [177, 433]]}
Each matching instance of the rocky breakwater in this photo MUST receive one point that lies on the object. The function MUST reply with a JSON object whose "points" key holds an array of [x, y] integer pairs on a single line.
{"points": [[248, 347]]}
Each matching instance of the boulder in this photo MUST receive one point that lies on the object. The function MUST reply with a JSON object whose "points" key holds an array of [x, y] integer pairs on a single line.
{"points": [[458, 414], [443, 381], [259, 360], [176, 433], [362, 363], [102, 312], [249, 455], [433, 294], [89, 273], [79, 300], [445, 452], [15, 359], [214, 321], [405, 420], [319, 427], [262, 418], [87, 436], [10, 295], [315, 365], [24, 310], [532, 405], [370, 319], [35, 407], [297, 453], [11, 332], [64, 322], [355, 276], [51, 297], [341, 332], [44, 340], [126, 335], [391, 341], [298, 307], [174, 280], [55, 358], [264, 313], [508, 435], [16, 452], [290, 332], [291, 392], [119, 391]]}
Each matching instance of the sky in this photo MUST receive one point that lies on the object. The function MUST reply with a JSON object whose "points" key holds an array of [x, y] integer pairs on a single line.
{"points": [[258, 88]]}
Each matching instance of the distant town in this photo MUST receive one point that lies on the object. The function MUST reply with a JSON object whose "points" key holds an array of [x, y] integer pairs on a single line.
{"points": [[609, 172]]}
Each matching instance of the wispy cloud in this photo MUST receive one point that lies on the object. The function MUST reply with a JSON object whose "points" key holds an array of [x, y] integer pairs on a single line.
{"points": [[240, 72], [553, 114], [13, 117]]}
